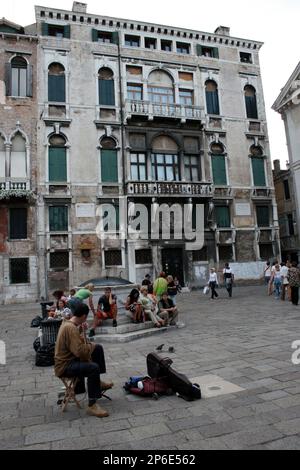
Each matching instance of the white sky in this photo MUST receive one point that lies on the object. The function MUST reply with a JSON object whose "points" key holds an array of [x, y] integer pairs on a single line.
{"points": [[274, 22]]}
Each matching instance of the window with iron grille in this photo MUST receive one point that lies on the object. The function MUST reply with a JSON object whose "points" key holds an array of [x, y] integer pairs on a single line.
{"points": [[59, 260], [143, 256], [113, 258], [19, 270], [18, 223], [200, 255]]}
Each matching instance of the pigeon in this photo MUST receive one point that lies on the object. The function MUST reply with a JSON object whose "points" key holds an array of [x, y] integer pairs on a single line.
{"points": [[159, 348], [171, 349]]}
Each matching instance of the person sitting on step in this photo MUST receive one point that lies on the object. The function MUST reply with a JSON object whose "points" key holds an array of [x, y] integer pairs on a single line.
{"points": [[107, 308], [166, 306], [133, 304]]}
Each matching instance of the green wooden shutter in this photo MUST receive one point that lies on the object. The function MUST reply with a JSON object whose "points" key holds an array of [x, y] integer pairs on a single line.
{"points": [[58, 218], [8, 79], [258, 168], [222, 216], [109, 166], [57, 164], [29, 80], [251, 107], [57, 88], [263, 216], [67, 31], [45, 29], [94, 35], [115, 37], [219, 170], [215, 52], [106, 92], [199, 49]]}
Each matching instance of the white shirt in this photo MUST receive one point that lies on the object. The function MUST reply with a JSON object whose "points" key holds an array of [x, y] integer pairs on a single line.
{"points": [[213, 277], [268, 271]]}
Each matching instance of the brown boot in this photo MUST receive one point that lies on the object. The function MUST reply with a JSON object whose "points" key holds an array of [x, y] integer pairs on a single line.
{"points": [[96, 410], [106, 385]]}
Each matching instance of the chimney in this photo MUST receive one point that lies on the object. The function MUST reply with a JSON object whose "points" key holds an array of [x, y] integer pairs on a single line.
{"points": [[223, 30], [79, 7], [276, 164]]}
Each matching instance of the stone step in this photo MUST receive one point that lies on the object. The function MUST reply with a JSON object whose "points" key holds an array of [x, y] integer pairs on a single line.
{"points": [[127, 337], [124, 327]]}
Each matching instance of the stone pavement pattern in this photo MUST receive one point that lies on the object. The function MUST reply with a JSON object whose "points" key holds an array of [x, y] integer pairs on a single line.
{"points": [[245, 340]]}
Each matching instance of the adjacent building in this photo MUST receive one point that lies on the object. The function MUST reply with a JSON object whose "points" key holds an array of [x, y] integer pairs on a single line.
{"points": [[18, 164], [288, 105], [136, 115]]}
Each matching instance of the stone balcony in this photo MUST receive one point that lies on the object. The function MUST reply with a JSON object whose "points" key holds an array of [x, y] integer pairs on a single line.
{"points": [[15, 184], [171, 188], [173, 111]]}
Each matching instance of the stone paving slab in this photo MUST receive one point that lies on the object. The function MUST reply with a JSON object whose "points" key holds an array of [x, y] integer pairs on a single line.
{"points": [[245, 341]]}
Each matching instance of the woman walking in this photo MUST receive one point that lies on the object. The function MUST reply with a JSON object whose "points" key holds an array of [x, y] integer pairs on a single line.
{"points": [[213, 282]]}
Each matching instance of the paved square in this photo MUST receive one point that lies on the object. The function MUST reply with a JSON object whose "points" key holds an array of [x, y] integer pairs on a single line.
{"points": [[246, 341]]}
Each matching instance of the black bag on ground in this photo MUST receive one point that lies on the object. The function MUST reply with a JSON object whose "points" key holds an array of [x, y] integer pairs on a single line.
{"points": [[36, 344], [161, 367], [36, 322], [45, 356]]}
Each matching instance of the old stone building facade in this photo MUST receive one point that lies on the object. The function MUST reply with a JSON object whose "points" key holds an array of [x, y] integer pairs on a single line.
{"points": [[18, 167], [137, 113], [288, 105]]}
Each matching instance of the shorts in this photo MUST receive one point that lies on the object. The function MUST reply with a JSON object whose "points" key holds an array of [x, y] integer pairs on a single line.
{"points": [[101, 315]]}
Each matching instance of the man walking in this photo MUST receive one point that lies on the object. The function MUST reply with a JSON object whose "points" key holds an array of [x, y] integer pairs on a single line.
{"points": [[228, 278]]}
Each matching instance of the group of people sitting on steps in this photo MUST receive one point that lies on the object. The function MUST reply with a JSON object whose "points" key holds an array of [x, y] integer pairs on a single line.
{"points": [[75, 356]]}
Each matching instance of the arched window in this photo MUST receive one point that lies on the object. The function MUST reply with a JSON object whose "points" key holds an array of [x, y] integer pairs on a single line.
{"points": [[18, 157], [218, 164], [109, 160], [106, 87], [160, 87], [18, 76], [258, 165], [56, 83], [2, 158], [250, 101], [57, 158], [212, 97], [164, 157]]}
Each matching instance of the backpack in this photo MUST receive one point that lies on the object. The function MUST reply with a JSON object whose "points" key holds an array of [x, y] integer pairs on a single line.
{"points": [[45, 355], [36, 322], [36, 344], [180, 384], [148, 387]]}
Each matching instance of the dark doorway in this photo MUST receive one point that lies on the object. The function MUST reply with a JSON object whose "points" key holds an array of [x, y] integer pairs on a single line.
{"points": [[172, 263]]}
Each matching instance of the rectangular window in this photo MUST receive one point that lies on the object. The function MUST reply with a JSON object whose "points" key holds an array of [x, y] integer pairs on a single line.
{"points": [[165, 167], [291, 224], [104, 36], [106, 92], [258, 169], [225, 253], [219, 170], [57, 88], [263, 216], [286, 186], [191, 167], [207, 51], [19, 270], [166, 46], [246, 57], [17, 223], [57, 164], [223, 216], [161, 95], [186, 97], [143, 256], [150, 43], [58, 218], [132, 41], [113, 258], [138, 167], [109, 166], [266, 251], [57, 31], [134, 92], [182, 48], [59, 260], [200, 255]]}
